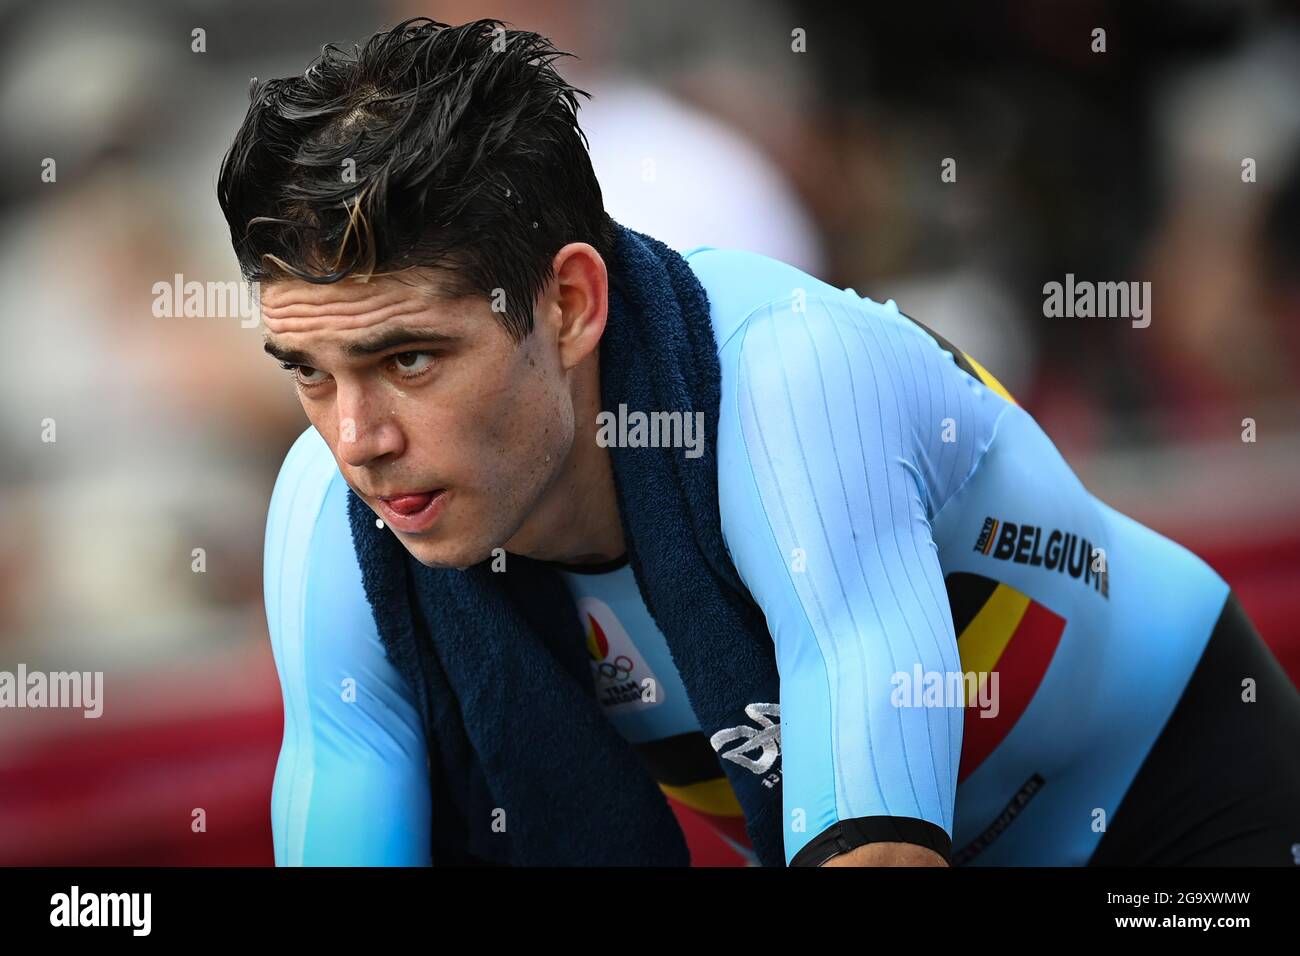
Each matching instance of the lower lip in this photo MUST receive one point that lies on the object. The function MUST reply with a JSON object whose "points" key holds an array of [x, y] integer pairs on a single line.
{"points": [[417, 521]]}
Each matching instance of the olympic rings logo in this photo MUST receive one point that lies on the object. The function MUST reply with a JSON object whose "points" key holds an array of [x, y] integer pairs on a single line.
{"points": [[618, 670]]}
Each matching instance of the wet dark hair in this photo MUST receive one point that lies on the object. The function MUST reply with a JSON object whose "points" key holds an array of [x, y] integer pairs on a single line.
{"points": [[467, 157]]}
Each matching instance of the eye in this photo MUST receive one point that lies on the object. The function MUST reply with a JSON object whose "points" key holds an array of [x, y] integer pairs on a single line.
{"points": [[413, 364], [302, 374]]}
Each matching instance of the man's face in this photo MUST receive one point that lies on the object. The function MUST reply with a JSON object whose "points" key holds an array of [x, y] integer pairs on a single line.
{"points": [[444, 425]]}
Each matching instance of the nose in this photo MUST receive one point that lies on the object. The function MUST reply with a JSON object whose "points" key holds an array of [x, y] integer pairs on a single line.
{"points": [[367, 430]]}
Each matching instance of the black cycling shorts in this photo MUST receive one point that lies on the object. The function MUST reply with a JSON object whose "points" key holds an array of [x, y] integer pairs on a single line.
{"points": [[1221, 785]]}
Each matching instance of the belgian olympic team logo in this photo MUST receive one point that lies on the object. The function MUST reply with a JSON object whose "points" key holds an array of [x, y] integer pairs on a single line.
{"points": [[620, 668]]}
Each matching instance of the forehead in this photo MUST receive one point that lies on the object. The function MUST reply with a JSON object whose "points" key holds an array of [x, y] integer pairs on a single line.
{"points": [[292, 306], [318, 324], [358, 316]]}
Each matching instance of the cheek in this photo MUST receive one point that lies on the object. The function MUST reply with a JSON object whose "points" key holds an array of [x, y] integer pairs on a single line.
{"points": [[325, 424], [533, 418]]}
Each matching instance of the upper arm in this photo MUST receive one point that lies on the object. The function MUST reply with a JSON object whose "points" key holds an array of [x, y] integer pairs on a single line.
{"points": [[351, 784], [827, 484]]}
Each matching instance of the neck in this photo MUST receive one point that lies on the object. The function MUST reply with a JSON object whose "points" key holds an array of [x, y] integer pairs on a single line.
{"points": [[577, 519]]}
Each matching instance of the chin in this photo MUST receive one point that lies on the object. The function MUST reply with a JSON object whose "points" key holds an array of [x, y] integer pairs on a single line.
{"points": [[447, 556]]}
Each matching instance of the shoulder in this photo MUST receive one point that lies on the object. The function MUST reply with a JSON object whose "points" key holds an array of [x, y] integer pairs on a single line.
{"points": [[319, 618], [301, 487], [307, 532], [749, 292], [739, 282], [308, 466]]}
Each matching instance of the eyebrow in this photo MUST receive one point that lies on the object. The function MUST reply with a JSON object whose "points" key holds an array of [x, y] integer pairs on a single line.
{"points": [[380, 342]]}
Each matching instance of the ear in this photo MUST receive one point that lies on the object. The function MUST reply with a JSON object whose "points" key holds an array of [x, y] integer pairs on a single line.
{"points": [[581, 301]]}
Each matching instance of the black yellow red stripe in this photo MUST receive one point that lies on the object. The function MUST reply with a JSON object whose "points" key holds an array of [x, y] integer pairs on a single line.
{"points": [[965, 362], [1016, 637], [689, 773], [987, 378]]}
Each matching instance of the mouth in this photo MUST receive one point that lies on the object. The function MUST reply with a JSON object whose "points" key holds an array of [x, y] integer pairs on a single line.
{"points": [[412, 512]]}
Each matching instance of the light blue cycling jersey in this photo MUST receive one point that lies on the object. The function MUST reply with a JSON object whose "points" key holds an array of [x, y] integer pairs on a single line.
{"points": [[965, 636]]}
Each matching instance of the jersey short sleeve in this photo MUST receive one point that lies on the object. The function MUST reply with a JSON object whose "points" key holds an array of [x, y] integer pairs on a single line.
{"points": [[351, 783], [836, 447]]}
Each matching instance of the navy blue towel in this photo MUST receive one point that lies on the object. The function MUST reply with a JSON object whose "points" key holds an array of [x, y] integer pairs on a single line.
{"points": [[525, 769]]}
